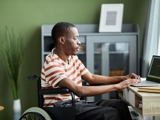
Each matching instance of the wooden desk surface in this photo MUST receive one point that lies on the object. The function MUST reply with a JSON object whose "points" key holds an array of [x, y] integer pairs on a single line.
{"points": [[150, 101]]}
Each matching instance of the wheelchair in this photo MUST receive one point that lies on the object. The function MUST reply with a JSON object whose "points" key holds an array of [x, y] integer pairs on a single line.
{"points": [[49, 113]]}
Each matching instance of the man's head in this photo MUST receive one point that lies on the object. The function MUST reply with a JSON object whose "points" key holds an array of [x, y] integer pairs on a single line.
{"points": [[60, 29], [65, 36]]}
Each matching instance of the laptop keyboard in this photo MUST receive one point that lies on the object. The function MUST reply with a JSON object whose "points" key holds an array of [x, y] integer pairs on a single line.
{"points": [[147, 83]]}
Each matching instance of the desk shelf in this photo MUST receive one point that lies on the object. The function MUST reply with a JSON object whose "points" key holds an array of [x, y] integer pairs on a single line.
{"points": [[150, 101]]}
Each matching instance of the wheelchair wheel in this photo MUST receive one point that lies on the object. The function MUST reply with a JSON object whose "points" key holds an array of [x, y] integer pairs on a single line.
{"points": [[35, 113]]}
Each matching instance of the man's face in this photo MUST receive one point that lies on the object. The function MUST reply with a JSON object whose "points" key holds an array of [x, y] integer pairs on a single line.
{"points": [[72, 43]]}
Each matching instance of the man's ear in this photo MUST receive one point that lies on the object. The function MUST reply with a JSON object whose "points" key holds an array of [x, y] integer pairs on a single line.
{"points": [[61, 40]]}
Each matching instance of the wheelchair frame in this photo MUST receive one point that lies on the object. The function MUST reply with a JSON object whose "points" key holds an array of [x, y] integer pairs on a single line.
{"points": [[49, 113]]}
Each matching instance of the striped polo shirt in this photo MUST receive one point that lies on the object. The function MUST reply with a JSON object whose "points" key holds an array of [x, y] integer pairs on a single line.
{"points": [[54, 70]]}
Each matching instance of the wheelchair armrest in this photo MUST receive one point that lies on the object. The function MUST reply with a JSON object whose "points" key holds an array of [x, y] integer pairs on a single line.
{"points": [[42, 92], [58, 91], [54, 91]]}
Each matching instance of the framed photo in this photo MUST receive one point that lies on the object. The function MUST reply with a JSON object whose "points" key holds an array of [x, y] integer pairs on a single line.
{"points": [[111, 18]]}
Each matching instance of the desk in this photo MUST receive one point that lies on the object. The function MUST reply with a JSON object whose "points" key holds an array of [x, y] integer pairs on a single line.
{"points": [[150, 101]]}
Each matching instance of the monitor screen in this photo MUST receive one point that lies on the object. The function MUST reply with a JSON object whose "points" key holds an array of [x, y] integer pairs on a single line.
{"points": [[154, 70]]}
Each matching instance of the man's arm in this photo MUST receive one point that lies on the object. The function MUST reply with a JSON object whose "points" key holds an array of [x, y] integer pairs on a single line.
{"points": [[83, 91], [103, 80]]}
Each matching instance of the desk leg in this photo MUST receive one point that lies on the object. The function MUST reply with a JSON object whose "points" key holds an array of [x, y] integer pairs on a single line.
{"points": [[154, 118], [141, 117], [147, 117]]}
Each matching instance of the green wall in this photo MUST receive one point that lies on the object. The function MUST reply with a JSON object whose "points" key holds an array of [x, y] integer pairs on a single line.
{"points": [[28, 15]]}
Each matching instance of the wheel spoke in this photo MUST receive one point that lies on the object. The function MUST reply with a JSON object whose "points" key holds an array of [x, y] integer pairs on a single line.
{"points": [[33, 116]]}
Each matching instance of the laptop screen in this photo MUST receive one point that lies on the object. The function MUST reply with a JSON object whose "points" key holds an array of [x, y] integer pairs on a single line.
{"points": [[154, 69]]}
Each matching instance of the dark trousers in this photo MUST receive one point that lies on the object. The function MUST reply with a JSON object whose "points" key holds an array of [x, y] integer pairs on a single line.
{"points": [[112, 109]]}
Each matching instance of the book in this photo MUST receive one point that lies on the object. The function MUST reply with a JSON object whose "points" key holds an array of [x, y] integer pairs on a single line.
{"points": [[149, 89]]}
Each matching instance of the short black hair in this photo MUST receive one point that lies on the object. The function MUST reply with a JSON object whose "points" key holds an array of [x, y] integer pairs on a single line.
{"points": [[60, 29]]}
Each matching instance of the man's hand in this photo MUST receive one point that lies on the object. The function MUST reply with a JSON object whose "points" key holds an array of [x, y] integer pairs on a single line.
{"points": [[133, 76], [126, 83]]}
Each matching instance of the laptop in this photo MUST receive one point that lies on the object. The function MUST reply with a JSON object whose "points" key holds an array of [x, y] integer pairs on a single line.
{"points": [[153, 76]]}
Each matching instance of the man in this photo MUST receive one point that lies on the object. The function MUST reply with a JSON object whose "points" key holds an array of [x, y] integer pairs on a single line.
{"points": [[62, 68]]}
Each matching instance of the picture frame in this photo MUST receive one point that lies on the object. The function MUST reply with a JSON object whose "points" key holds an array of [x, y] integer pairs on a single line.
{"points": [[111, 18]]}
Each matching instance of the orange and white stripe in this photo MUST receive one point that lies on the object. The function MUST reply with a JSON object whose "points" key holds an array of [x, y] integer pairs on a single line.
{"points": [[54, 70]]}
